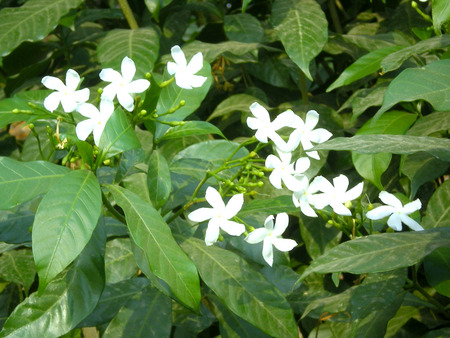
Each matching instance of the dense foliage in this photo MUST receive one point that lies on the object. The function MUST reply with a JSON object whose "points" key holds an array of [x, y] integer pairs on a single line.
{"points": [[154, 190]]}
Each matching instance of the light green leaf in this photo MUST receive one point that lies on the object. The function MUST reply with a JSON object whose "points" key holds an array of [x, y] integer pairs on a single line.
{"points": [[441, 14], [154, 6], [31, 22], [119, 260], [26, 180], [243, 27], [438, 209], [64, 223], [302, 28], [137, 317], [171, 96], [396, 58], [78, 289], [245, 3], [403, 314], [379, 253], [429, 83], [395, 144], [424, 126], [437, 270], [141, 45], [158, 179], [118, 135], [165, 258], [364, 66], [191, 128], [271, 206], [17, 266], [25, 112], [243, 290], [372, 166], [317, 237], [235, 103]]}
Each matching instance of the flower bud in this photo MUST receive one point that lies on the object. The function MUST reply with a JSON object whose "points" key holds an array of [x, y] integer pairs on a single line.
{"points": [[182, 103], [260, 184], [148, 76], [100, 91], [370, 207], [16, 111], [107, 162], [248, 166], [31, 126], [348, 204]]}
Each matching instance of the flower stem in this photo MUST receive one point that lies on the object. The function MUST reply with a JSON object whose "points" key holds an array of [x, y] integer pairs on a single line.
{"points": [[128, 14], [113, 211]]}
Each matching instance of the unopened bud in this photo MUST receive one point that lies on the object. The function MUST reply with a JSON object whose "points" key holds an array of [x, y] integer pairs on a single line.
{"points": [[182, 103], [107, 162], [143, 112], [253, 154], [330, 222], [260, 184], [16, 111], [348, 204], [100, 91], [148, 76], [31, 126], [370, 206], [248, 166], [250, 228]]}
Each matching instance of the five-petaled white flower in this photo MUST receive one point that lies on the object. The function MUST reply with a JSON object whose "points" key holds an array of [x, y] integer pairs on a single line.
{"points": [[398, 213], [307, 196], [335, 196], [185, 73], [97, 119], [283, 170], [304, 133], [121, 84], [265, 129], [67, 93], [271, 236], [219, 215]]}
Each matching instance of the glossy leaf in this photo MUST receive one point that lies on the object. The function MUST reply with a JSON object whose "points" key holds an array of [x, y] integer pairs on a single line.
{"points": [[26, 180], [438, 209], [165, 258], [437, 270], [429, 83], [271, 206], [242, 289], [25, 112], [17, 266], [397, 58], [31, 22], [15, 226], [118, 135], [378, 253], [364, 66], [191, 128], [243, 27], [395, 144], [141, 45], [158, 179], [119, 260], [66, 301], [441, 14], [64, 223], [137, 317], [302, 28], [424, 126]]}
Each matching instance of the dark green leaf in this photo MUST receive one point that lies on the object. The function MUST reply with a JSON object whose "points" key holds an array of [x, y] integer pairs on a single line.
{"points": [[165, 258], [64, 223], [191, 128], [437, 270], [378, 253], [17, 266], [119, 260], [243, 27], [438, 209], [15, 226], [302, 28], [242, 289], [26, 180], [424, 126], [317, 236], [269, 206], [158, 179], [235, 103]]}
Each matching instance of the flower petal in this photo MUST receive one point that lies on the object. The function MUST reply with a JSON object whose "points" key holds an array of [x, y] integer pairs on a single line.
{"points": [[275, 178], [307, 209], [323, 185], [411, 223], [110, 91], [128, 69], [68, 103], [313, 154], [268, 223], [302, 164], [260, 112], [261, 135], [341, 183], [98, 131], [201, 214], [256, 236], [182, 79], [197, 81], [395, 222], [253, 123], [84, 128], [178, 56], [412, 206], [110, 75], [294, 140], [232, 228], [52, 101], [125, 100], [354, 192], [88, 110], [272, 162], [291, 182], [284, 245], [82, 95], [234, 205], [319, 135], [380, 212], [391, 200], [54, 83], [212, 232], [267, 251], [138, 86], [214, 199], [340, 209], [195, 64], [312, 118], [281, 223], [172, 67], [285, 119], [72, 80]]}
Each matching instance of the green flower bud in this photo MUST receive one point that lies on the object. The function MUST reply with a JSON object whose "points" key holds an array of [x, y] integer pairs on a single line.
{"points": [[100, 91], [370, 207], [248, 166], [252, 154], [31, 126], [16, 111], [260, 184], [148, 76], [182, 103], [348, 204], [107, 162]]}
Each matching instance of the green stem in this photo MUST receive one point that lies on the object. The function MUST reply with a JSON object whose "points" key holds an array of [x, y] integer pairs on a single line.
{"points": [[128, 14], [35, 134], [113, 211], [335, 17]]}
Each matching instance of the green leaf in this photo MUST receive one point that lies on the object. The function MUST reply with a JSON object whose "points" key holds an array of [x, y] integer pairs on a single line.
{"points": [[17, 266], [26, 180], [369, 166], [438, 209], [118, 135], [15, 226], [64, 223], [429, 124], [403, 314], [395, 144], [441, 14], [25, 112], [171, 96], [243, 290], [395, 60], [429, 83], [191, 128], [235, 103], [119, 260], [31, 22], [364, 66], [379, 253], [141, 45], [317, 237], [243, 27], [372, 97], [158, 179], [421, 168], [437, 270], [165, 258], [271, 206], [302, 28], [137, 317], [66, 301]]}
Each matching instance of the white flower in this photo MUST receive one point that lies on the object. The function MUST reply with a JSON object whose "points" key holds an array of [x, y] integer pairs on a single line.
{"points": [[283, 170], [398, 212], [185, 73], [272, 237], [121, 84], [335, 196], [97, 119], [67, 94], [219, 215], [265, 129], [305, 134], [306, 196]]}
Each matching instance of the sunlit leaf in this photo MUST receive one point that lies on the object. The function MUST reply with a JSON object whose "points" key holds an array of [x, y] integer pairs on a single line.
{"points": [[119, 260], [441, 14], [17, 266], [158, 179]]}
